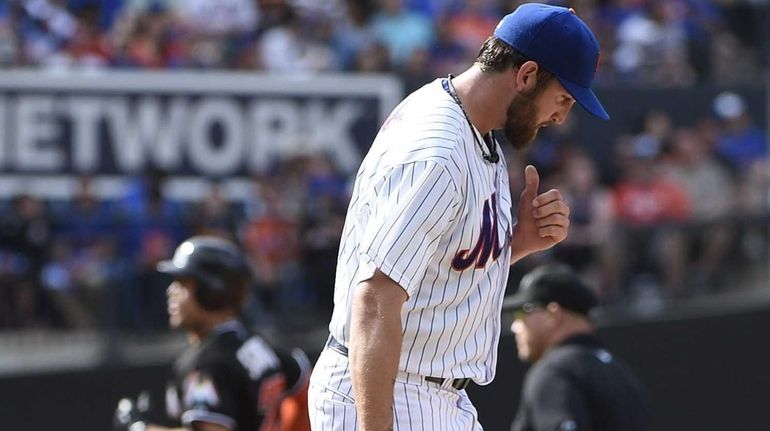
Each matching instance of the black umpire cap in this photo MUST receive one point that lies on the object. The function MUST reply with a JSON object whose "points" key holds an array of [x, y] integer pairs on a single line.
{"points": [[552, 283]]}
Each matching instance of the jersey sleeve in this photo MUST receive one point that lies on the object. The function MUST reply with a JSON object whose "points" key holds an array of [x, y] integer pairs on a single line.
{"points": [[209, 394], [297, 369], [294, 412], [557, 402], [413, 206]]}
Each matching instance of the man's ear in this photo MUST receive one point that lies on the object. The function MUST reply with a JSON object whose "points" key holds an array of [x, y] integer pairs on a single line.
{"points": [[526, 76], [555, 313]]}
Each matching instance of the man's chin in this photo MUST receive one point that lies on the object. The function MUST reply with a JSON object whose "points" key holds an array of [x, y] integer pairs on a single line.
{"points": [[525, 357], [520, 143], [175, 322]]}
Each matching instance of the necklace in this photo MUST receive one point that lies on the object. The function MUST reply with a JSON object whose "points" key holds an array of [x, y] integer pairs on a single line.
{"points": [[489, 139]]}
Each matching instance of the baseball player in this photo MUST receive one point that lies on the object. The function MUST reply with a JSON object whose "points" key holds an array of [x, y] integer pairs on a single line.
{"points": [[229, 379], [429, 234]]}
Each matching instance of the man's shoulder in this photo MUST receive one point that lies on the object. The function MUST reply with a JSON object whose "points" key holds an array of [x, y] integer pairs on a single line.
{"points": [[429, 127], [428, 112], [433, 106], [220, 351], [580, 362], [562, 360]]}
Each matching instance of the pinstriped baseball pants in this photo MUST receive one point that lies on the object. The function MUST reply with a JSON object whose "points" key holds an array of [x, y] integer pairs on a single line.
{"points": [[418, 405]]}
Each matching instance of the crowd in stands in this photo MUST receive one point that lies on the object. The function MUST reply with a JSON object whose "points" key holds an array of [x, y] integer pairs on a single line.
{"points": [[681, 203], [645, 42], [89, 262], [682, 212]]}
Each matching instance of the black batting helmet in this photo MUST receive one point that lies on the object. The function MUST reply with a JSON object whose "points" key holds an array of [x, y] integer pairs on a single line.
{"points": [[218, 266]]}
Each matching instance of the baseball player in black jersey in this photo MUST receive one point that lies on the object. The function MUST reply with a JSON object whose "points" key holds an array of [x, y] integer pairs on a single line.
{"points": [[575, 384], [229, 378]]}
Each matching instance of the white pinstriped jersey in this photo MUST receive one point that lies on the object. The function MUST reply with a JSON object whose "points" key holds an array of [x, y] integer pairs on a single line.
{"points": [[429, 212]]}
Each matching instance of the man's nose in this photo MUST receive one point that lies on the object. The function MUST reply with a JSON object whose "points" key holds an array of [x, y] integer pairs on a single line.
{"points": [[560, 116], [516, 326]]}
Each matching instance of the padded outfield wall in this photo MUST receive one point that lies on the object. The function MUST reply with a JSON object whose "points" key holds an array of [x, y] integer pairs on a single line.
{"points": [[703, 373]]}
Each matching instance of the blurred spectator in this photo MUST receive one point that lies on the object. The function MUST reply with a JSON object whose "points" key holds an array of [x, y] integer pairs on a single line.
{"points": [[150, 226], [270, 242], [25, 240], [323, 183], [741, 143], [84, 263], [215, 214], [743, 146], [693, 166], [658, 126], [45, 27], [220, 17], [324, 217], [642, 196], [108, 10], [146, 288], [432, 8], [472, 23], [321, 232], [416, 72], [754, 190], [150, 39], [649, 208], [448, 54], [652, 46], [88, 46], [333, 9], [402, 31], [732, 63], [354, 34], [289, 47], [373, 59], [655, 42], [754, 202], [587, 248], [8, 37]]}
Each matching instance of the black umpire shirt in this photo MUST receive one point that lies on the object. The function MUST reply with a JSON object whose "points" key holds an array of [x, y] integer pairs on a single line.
{"points": [[235, 379], [580, 386]]}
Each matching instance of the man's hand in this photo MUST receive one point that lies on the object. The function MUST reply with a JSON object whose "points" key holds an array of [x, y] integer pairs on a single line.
{"points": [[128, 416], [543, 220]]}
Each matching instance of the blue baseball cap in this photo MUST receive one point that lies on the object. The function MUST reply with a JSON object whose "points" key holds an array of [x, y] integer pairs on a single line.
{"points": [[561, 43]]}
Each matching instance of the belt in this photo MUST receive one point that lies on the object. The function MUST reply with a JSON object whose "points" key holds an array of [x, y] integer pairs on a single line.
{"points": [[458, 384]]}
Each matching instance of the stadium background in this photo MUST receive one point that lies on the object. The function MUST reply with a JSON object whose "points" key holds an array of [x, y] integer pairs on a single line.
{"points": [[127, 125]]}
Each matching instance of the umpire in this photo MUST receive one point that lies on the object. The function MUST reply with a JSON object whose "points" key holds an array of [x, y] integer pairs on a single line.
{"points": [[229, 378], [575, 384]]}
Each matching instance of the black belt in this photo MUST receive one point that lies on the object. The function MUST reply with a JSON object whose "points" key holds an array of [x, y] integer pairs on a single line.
{"points": [[458, 384]]}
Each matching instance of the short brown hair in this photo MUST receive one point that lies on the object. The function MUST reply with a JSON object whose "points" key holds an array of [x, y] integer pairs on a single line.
{"points": [[497, 56]]}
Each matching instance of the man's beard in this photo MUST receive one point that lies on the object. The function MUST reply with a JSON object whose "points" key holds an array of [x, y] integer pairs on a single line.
{"points": [[521, 122]]}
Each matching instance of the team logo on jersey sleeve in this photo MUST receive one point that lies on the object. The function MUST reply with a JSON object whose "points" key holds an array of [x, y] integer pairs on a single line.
{"points": [[199, 390], [394, 117], [488, 243]]}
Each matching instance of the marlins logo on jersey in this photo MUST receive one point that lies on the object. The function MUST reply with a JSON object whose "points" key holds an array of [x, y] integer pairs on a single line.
{"points": [[199, 390]]}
